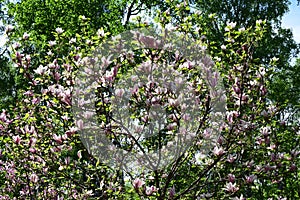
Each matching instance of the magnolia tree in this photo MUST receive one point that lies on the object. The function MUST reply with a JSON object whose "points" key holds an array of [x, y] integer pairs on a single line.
{"points": [[147, 115]]}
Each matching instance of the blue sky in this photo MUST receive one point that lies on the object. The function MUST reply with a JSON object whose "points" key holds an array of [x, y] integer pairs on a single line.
{"points": [[292, 20]]}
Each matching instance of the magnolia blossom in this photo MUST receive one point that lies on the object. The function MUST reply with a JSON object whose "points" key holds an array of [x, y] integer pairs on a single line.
{"points": [[32, 141], [9, 28], [71, 131], [250, 179], [34, 178], [231, 24], [231, 158], [172, 192], [274, 59], [3, 116], [28, 58], [17, 139], [259, 21], [231, 187], [57, 138], [28, 129], [100, 32], [137, 183], [52, 43], [231, 178], [59, 30], [82, 17], [207, 133], [265, 130], [150, 190], [25, 36], [119, 92], [231, 115], [72, 40], [199, 157], [49, 53], [173, 102], [218, 151], [79, 154], [16, 45]]}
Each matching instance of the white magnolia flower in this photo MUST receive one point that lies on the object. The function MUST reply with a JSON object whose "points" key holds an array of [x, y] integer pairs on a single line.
{"points": [[52, 43], [72, 40], [100, 32], [231, 24], [199, 157], [59, 30], [41, 70], [25, 36], [9, 28]]}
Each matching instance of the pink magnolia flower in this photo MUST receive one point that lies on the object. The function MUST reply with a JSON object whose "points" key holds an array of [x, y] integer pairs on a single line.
{"points": [[34, 178], [28, 129], [150, 190], [240, 198], [218, 151], [57, 138], [79, 124], [265, 130], [263, 90], [250, 179], [231, 178], [71, 131], [293, 167], [17, 139], [171, 126], [231, 187], [32, 141], [231, 115], [172, 192], [3, 116], [172, 102], [207, 133], [137, 183], [16, 45], [32, 150], [236, 89], [35, 101], [79, 154], [41, 70], [119, 92], [56, 76], [28, 93], [67, 160]]}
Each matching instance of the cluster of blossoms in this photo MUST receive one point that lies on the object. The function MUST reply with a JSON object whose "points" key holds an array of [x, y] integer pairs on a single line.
{"points": [[250, 152]]}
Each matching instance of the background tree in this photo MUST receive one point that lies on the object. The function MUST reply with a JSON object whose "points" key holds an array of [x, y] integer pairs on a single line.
{"points": [[7, 73], [278, 42]]}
